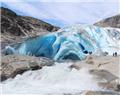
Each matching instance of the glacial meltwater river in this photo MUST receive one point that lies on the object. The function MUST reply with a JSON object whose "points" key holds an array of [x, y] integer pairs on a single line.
{"points": [[53, 80]]}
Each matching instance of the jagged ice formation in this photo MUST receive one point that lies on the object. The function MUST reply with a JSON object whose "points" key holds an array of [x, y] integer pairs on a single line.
{"points": [[74, 42]]}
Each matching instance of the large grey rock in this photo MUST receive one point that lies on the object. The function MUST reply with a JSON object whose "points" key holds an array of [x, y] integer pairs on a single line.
{"points": [[106, 79], [104, 69], [12, 65], [104, 74]]}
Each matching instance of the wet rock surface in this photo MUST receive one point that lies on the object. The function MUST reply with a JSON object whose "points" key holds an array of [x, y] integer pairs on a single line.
{"points": [[105, 69], [12, 65]]}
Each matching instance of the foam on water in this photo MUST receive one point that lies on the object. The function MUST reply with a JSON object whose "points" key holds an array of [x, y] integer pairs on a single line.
{"points": [[54, 80]]}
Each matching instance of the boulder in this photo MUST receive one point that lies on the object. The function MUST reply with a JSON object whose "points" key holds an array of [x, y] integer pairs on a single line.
{"points": [[12, 65], [104, 74]]}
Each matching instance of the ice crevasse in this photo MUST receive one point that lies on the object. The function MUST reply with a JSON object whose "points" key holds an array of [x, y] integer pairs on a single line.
{"points": [[73, 42]]}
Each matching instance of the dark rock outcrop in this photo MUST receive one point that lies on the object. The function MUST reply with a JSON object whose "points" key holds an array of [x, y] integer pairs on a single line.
{"points": [[22, 25], [12, 65], [110, 22]]}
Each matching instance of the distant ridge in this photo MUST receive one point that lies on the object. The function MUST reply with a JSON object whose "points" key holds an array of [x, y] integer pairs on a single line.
{"points": [[113, 21]]}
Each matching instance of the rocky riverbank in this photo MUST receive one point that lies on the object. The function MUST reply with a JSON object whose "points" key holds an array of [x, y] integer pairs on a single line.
{"points": [[97, 75]]}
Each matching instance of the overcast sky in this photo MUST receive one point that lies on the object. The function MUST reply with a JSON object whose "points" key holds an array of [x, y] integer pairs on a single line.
{"points": [[65, 12]]}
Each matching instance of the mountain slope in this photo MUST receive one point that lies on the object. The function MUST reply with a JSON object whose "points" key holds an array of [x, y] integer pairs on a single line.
{"points": [[110, 22], [19, 25]]}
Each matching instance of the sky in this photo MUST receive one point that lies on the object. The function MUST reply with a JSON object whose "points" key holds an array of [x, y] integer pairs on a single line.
{"points": [[65, 12]]}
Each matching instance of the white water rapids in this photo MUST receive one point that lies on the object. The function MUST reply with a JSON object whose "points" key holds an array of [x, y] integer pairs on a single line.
{"points": [[54, 80]]}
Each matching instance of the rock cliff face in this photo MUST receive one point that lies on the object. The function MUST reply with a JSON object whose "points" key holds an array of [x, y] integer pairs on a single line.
{"points": [[22, 25], [110, 22]]}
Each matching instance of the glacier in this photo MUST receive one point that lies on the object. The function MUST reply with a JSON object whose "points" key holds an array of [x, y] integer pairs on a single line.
{"points": [[74, 42]]}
